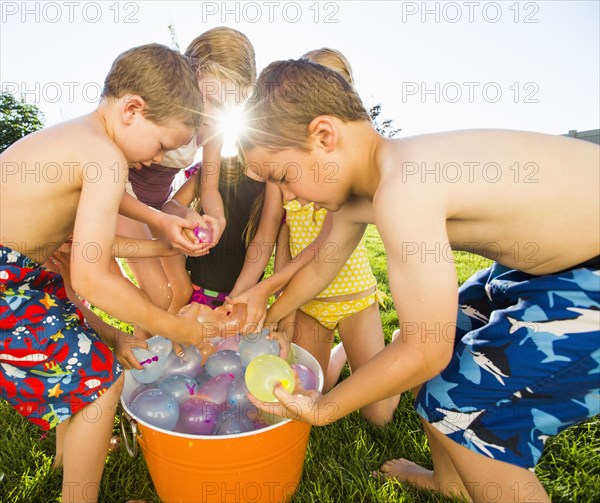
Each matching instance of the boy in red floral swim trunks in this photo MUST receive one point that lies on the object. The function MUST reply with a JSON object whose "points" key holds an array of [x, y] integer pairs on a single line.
{"points": [[53, 367]]}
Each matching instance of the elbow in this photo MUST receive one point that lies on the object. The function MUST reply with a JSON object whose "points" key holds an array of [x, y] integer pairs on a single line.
{"points": [[82, 283]]}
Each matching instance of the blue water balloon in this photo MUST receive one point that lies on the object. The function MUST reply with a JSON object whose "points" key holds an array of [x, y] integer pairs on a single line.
{"points": [[151, 368], [157, 408], [179, 386], [254, 345], [224, 362], [189, 364]]}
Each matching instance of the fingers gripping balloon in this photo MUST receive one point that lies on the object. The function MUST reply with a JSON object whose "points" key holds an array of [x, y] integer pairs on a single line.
{"points": [[264, 372]]}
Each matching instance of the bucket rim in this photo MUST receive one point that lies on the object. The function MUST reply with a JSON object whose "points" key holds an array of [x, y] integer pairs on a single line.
{"points": [[132, 416]]}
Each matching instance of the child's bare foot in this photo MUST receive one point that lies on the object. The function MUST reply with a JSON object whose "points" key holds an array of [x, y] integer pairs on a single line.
{"points": [[404, 470]]}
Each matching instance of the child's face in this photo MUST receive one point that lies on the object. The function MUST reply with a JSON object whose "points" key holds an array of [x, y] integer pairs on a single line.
{"points": [[148, 142], [304, 176]]}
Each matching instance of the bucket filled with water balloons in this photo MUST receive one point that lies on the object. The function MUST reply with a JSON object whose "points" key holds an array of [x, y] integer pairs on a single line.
{"points": [[201, 439]]}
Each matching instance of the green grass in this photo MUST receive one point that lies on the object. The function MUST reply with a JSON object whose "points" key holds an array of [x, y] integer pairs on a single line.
{"points": [[339, 457]]}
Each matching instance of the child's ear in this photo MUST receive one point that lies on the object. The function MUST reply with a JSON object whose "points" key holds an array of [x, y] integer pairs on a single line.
{"points": [[323, 132], [132, 105]]}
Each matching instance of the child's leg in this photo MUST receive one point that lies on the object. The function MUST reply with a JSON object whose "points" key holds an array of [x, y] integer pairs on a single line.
{"points": [[179, 279], [362, 336], [460, 471], [85, 440], [337, 360], [309, 334], [148, 272]]}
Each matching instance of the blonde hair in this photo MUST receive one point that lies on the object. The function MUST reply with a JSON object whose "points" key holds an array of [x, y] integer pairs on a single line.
{"points": [[231, 172], [224, 53], [163, 78], [288, 95], [331, 58]]}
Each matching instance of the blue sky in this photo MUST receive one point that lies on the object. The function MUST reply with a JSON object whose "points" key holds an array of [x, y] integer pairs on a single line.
{"points": [[433, 66]]}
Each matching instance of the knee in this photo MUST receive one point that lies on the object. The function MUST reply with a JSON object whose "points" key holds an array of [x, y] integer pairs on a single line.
{"points": [[378, 414]]}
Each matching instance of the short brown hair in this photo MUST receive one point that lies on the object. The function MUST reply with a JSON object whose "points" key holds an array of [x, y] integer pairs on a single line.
{"points": [[289, 95], [224, 53], [163, 78]]}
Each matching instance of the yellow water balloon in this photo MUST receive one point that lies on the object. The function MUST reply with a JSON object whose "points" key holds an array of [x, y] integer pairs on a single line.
{"points": [[264, 372]]}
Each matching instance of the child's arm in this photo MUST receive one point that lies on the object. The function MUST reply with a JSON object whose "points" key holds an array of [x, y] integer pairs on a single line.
{"points": [[94, 232], [170, 226], [261, 247], [212, 202], [424, 290], [257, 296], [179, 205]]}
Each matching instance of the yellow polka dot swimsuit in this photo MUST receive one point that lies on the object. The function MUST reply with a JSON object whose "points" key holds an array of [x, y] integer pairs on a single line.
{"points": [[356, 276]]}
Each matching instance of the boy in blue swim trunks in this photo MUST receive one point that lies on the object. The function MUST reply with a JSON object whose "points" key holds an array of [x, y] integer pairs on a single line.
{"points": [[519, 359], [53, 367]]}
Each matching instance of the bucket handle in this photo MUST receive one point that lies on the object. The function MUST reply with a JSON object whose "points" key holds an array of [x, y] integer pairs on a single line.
{"points": [[132, 447]]}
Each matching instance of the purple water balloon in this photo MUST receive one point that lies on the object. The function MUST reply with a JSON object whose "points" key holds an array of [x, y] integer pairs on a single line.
{"points": [[232, 423], [224, 362], [254, 345], [151, 366], [238, 393], [202, 379], [306, 376], [197, 417], [179, 386], [189, 364], [204, 234], [157, 408], [216, 389]]}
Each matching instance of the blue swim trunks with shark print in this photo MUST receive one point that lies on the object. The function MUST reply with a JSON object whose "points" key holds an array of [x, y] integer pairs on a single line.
{"points": [[526, 362]]}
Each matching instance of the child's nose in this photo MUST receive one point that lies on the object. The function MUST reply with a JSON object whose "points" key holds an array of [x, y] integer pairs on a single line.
{"points": [[156, 159]]}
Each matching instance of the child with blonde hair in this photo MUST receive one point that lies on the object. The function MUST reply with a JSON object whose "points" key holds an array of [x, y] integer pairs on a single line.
{"points": [[223, 60]]}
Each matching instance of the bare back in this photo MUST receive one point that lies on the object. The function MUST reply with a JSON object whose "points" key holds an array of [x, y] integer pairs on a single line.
{"points": [[529, 201], [42, 179]]}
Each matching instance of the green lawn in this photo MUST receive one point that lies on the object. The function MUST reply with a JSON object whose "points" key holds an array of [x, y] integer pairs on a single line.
{"points": [[339, 457]]}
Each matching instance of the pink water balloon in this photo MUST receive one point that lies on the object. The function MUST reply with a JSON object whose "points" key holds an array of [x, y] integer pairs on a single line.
{"points": [[216, 389], [204, 234]]}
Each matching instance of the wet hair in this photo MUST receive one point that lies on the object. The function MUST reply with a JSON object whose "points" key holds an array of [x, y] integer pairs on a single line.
{"points": [[331, 58]]}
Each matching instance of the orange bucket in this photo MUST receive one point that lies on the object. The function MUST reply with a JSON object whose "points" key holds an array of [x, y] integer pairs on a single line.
{"points": [[263, 465]]}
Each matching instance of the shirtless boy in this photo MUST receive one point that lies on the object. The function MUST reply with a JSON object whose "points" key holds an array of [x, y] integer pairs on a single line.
{"points": [[519, 360], [68, 180]]}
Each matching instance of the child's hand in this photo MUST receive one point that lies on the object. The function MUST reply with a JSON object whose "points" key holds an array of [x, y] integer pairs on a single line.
{"points": [[302, 405], [284, 338], [256, 311], [172, 228], [122, 346], [217, 226]]}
